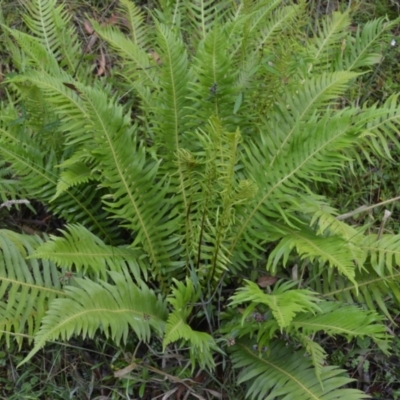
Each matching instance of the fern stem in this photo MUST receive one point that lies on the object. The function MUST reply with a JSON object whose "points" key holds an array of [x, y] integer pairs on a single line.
{"points": [[365, 208]]}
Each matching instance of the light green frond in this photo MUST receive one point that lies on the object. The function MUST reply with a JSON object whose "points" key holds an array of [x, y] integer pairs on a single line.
{"points": [[126, 173], [62, 93], [37, 170], [80, 250], [384, 253], [214, 93], [36, 53], [325, 218], [135, 20], [267, 27], [203, 15], [364, 49], [110, 308], [326, 223], [296, 108], [139, 69], [316, 352], [320, 151], [345, 320], [171, 117], [27, 287], [76, 174], [201, 344], [371, 290], [260, 13], [284, 301], [379, 125], [50, 23], [334, 29], [283, 373], [130, 176], [334, 251], [183, 296]]}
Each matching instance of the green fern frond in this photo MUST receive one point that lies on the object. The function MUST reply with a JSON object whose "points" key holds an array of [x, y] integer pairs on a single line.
{"points": [[203, 15], [270, 23], [213, 88], [321, 151], [338, 319], [39, 19], [80, 250], [295, 108], [364, 49], [76, 174], [112, 308], [36, 53], [371, 290], [281, 372], [202, 345], [379, 125], [138, 67], [135, 20], [110, 141], [334, 251], [49, 22], [36, 172], [171, 117], [334, 29], [27, 287], [384, 253], [317, 355], [130, 177], [284, 301]]}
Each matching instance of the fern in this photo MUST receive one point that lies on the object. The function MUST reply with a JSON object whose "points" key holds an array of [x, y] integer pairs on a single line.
{"points": [[202, 345], [79, 249], [27, 286], [276, 373], [283, 303], [210, 179], [113, 308]]}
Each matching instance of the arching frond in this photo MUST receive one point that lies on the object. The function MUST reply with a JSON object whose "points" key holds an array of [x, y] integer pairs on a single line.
{"points": [[284, 302], [27, 287], [334, 251], [282, 372], [201, 344], [49, 22], [172, 117], [298, 107], [37, 173], [329, 39], [364, 49], [138, 66], [138, 30], [384, 251], [371, 289], [338, 319], [81, 250], [213, 84], [111, 308]]}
